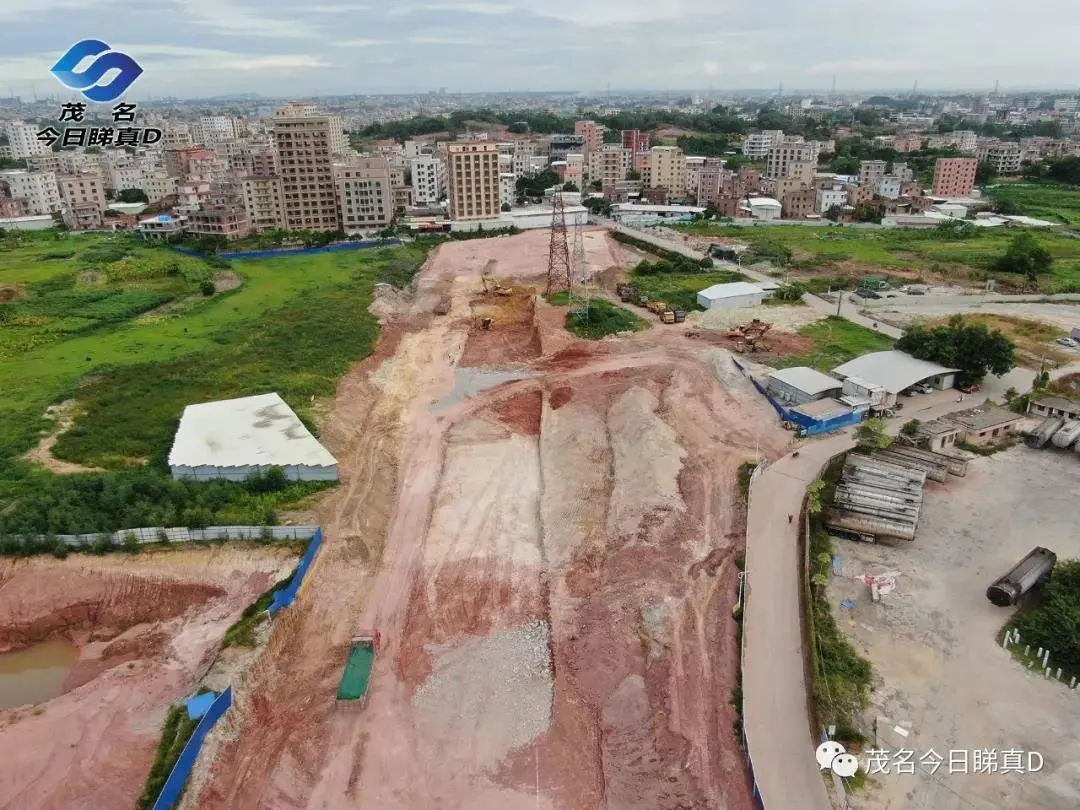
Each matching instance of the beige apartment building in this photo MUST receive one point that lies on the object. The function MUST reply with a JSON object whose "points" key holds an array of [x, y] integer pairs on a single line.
{"points": [[83, 200], [666, 168], [307, 141], [781, 157], [954, 177], [226, 218], [264, 199], [474, 180], [592, 132], [364, 193]]}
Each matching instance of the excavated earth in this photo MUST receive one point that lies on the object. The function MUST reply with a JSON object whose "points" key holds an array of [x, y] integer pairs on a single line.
{"points": [[146, 628], [544, 531]]}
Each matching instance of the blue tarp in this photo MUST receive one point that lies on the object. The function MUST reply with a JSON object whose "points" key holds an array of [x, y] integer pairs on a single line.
{"points": [[200, 705], [174, 785]]}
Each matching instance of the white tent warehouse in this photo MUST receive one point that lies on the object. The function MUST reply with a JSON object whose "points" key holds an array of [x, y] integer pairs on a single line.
{"points": [[735, 295], [896, 371], [236, 438]]}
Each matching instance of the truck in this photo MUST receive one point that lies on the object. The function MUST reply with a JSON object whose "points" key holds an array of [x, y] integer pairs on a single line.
{"points": [[1033, 570], [1044, 432], [359, 662]]}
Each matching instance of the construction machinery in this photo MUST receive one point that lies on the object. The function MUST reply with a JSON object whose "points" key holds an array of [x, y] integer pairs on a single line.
{"points": [[749, 337], [485, 323], [492, 286], [667, 316], [626, 292], [359, 663], [656, 307]]}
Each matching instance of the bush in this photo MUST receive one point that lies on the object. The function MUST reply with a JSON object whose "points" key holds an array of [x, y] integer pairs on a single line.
{"points": [[602, 318], [1052, 623], [175, 733], [206, 287]]}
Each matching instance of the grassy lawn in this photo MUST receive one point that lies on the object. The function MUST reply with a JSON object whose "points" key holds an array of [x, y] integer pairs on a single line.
{"points": [[679, 290], [294, 326], [835, 342], [600, 319], [1049, 201], [857, 252]]}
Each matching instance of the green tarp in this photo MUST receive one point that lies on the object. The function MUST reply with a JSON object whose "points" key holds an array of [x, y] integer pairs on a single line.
{"points": [[354, 681]]}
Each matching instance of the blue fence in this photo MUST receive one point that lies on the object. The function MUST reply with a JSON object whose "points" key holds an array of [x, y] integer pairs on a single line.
{"points": [[807, 424], [270, 253], [283, 597], [174, 785]]}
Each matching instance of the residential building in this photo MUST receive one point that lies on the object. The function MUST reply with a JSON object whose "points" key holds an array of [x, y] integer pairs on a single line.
{"points": [[38, 189], [474, 180], [800, 204], [213, 129], [178, 161], [964, 140], [402, 197], [870, 171], [125, 176], [524, 154], [832, 197], [162, 226], [83, 200], [428, 179], [902, 172], [365, 195], [575, 169], [1054, 406], [985, 424], [666, 169], [954, 177], [559, 146], [785, 153], [1004, 156], [9, 208], [635, 140], [228, 219], [710, 180], [22, 139], [507, 189], [592, 132], [307, 142], [50, 162], [758, 144], [264, 199], [610, 164], [887, 187], [177, 135]]}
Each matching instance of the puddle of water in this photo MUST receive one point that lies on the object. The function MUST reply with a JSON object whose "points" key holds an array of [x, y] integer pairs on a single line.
{"points": [[470, 381], [35, 674]]}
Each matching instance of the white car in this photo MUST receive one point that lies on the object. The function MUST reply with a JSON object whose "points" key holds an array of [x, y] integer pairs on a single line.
{"points": [[1068, 341]]}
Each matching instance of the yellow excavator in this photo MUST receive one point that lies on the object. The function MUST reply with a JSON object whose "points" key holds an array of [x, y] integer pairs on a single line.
{"points": [[491, 286]]}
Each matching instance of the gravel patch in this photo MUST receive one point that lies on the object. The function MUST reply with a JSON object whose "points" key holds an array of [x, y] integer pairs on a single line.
{"points": [[787, 319]]}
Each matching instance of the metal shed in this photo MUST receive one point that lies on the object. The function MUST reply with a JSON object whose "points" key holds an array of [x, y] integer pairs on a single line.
{"points": [[734, 295], [801, 384]]}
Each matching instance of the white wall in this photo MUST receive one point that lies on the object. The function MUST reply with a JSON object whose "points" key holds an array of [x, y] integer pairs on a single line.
{"points": [[731, 302]]}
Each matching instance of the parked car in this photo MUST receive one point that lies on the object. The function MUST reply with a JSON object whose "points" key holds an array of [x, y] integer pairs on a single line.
{"points": [[1068, 341], [969, 389]]}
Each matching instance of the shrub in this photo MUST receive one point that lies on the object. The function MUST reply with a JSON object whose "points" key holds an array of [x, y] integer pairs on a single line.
{"points": [[206, 287]]}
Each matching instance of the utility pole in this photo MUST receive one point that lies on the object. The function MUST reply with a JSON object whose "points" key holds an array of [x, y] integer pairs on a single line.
{"points": [[839, 301]]}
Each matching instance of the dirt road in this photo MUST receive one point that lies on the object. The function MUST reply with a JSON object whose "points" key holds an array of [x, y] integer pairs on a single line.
{"points": [[549, 560]]}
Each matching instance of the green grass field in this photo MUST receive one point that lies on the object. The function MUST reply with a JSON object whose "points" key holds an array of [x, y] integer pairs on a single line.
{"points": [[835, 342], [293, 326], [679, 290], [858, 252], [1054, 203]]}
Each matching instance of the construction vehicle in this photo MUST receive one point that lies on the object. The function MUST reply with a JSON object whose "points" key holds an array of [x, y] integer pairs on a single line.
{"points": [[749, 337], [667, 316], [680, 315], [656, 307], [1034, 569], [485, 323], [491, 286], [359, 663], [626, 292]]}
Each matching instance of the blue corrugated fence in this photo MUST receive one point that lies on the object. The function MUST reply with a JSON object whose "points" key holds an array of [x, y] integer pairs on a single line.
{"points": [[174, 785], [284, 597]]}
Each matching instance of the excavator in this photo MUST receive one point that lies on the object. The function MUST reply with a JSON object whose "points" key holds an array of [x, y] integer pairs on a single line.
{"points": [[749, 337], [491, 286]]}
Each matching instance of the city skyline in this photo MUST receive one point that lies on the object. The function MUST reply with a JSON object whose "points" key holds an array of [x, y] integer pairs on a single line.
{"points": [[207, 48]]}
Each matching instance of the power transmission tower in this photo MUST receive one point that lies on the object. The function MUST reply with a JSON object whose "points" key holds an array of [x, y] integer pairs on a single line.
{"points": [[559, 271]]}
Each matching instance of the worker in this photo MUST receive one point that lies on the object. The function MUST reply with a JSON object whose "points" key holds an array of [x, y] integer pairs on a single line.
{"points": [[790, 518], [795, 454]]}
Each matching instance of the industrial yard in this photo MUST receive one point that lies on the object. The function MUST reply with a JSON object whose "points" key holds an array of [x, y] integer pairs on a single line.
{"points": [[942, 679], [544, 531]]}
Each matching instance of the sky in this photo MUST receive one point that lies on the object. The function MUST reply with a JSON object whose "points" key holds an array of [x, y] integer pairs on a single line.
{"points": [[202, 48]]}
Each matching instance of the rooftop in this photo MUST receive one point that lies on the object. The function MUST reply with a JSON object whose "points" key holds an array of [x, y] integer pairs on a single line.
{"points": [[984, 416], [823, 409], [892, 370], [251, 431], [1060, 403], [806, 379], [731, 290]]}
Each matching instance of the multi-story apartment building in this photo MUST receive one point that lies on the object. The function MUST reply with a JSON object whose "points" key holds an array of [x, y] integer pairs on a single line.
{"points": [[50, 162], [364, 192], [758, 144], [22, 139], [575, 169], [10, 208], [1004, 156], [708, 185], [507, 189], [887, 187], [227, 219], [428, 179], [635, 140], [610, 164], [799, 204], [214, 129], [592, 132], [307, 142], [784, 154], [264, 162], [235, 154], [125, 176], [264, 200], [666, 169], [402, 198], [157, 185], [524, 153], [38, 189], [831, 197], [954, 177], [82, 197], [870, 171], [559, 146], [177, 135], [902, 172], [474, 180]]}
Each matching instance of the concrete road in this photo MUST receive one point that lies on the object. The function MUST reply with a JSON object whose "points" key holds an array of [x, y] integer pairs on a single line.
{"points": [[775, 691]]}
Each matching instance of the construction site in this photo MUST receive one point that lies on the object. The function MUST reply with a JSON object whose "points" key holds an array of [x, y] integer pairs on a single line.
{"points": [[121, 638], [524, 595]]}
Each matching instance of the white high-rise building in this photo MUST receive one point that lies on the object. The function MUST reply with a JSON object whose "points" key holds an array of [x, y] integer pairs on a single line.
{"points": [[39, 189], [757, 144], [23, 141], [428, 179]]}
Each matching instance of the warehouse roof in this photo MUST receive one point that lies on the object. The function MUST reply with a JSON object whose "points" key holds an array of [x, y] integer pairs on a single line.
{"points": [[730, 290], [806, 379], [894, 371], [250, 431], [983, 417]]}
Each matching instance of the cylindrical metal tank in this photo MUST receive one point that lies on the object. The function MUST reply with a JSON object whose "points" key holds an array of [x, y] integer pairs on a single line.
{"points": [[865, 524], [1067, 435], [1044, 432], [1034, 568]]}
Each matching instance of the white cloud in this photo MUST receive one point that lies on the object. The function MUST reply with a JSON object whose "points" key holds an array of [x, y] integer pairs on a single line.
{"points": [[468, 8], [363, 43], [439, 40], [713, 69], [11, 9], [872, 65], [338, 8], [223, 17]]}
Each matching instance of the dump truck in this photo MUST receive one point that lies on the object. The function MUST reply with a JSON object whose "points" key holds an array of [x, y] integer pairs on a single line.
{"points": [[626, 292], [667, 316], [680, 315], [656, 307], [1034, 569], [353, 690]]}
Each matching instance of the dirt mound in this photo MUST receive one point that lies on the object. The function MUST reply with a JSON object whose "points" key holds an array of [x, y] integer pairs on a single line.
{"points": [[561, 396], [521, 413], [511, 337], [570, 358]]}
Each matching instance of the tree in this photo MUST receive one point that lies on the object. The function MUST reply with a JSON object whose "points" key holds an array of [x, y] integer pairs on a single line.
{"points": [[569, 186], [985, 173], [970, 347], [871, 435], [1005, 206], [1055, 623], [910, 428], [813, 497], [633, 174], [833, 213], [1065, 171], [504, 207], [791, 292], [1026, 257], [597, 185], [132, 195], [711, 211], [865, 212]]}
